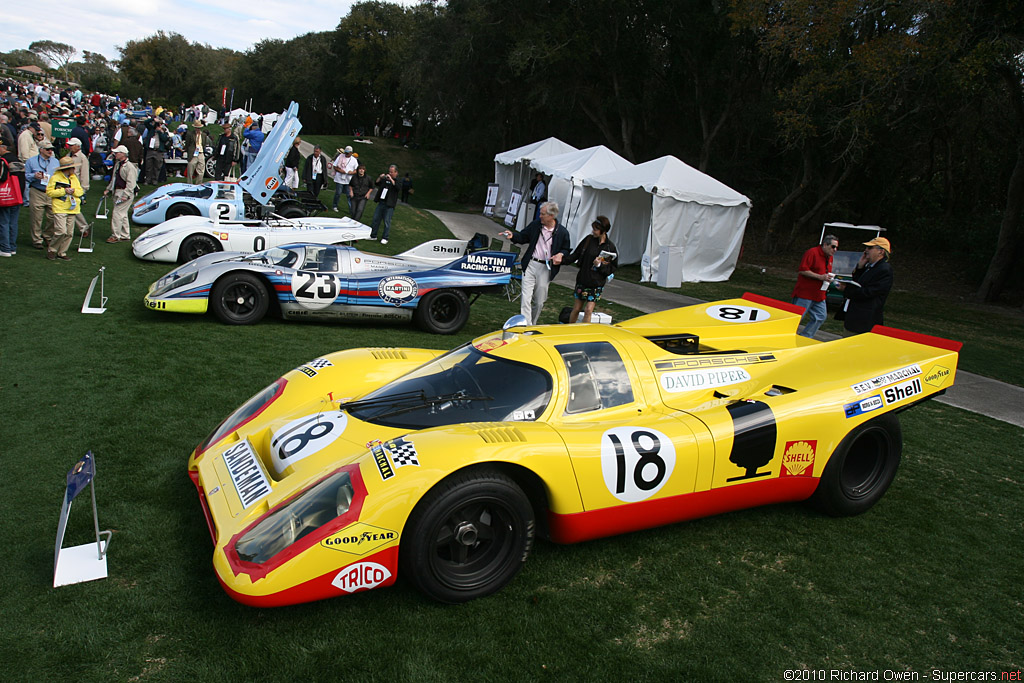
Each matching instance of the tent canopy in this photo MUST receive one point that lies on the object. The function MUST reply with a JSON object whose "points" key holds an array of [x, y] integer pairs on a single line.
{"points": [[665, 203], [512, 168], [670, 177], [543, 148]]}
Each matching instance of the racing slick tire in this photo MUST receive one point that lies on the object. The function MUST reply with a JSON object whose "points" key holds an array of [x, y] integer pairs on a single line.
{"points": [[195, 246], [239, 299], [291, 211], [861, 469], [443, 311], [176, 210], [467, 537]]}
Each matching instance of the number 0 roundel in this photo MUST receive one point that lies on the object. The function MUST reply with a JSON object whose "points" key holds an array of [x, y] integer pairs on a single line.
{"points": [[636, 462]]}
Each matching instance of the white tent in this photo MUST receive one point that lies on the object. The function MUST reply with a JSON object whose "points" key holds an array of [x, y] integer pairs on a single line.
{"points": [[568, 172], [664, 202], [512, 168]]}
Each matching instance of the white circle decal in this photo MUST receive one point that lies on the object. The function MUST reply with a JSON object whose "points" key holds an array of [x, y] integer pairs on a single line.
{"points": [[738, 314], [397, 289], [314, 290], [305, 436], [636, 462]]}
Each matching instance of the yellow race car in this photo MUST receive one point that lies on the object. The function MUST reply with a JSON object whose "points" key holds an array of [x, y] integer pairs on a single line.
{"points": [[443, 466]]}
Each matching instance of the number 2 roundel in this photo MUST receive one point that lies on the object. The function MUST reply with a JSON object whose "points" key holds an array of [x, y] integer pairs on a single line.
{"points": [[636, 462]]}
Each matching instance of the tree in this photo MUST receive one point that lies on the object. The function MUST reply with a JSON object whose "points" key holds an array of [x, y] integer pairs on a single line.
{"points": [[17, 58], [57, 54], [95, 73]]}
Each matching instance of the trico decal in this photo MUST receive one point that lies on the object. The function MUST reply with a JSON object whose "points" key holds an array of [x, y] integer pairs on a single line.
{"points": [[636, 462], [249, 480], [691, 380], [361, 576], [798, 458], [487, 264], [886, 379], [865, 405], [936, 376], [520, 415], [738, 314], [305, 436], [397, 289], [359, 539], [312, 366], [716, 361], [902, 391]]}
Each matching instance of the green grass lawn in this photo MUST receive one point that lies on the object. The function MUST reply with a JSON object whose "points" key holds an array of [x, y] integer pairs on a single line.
{"points": [[928, 579]]}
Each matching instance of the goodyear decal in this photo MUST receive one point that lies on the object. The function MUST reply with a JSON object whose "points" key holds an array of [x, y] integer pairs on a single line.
{"points": [[359, 539], [798, 458], [937, 375], [714, 361], [901, 391], [865, 405], [887, 379]]}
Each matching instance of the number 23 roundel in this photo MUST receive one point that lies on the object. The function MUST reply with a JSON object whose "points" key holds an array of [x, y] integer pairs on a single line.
{"points": [[314, 290], [636, 462]]}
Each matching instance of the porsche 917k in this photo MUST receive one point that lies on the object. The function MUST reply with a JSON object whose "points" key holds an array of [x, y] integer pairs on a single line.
{"points": [[369, 464]]}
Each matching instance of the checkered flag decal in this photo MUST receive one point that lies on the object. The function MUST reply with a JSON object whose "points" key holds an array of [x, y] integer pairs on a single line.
{"points": [[320, 363], [402, 453]]}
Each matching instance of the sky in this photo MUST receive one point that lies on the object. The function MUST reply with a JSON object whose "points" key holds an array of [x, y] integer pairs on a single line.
{"points": [[102, 25]]}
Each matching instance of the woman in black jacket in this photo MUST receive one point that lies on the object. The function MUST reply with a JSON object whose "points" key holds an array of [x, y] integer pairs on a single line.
{"points": [[597, 259]]}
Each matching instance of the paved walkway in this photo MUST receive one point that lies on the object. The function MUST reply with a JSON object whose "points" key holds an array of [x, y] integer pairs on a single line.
{"points": [[971, 392]]}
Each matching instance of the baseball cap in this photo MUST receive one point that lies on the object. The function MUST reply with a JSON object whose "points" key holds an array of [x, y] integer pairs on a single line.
{"points": [[120, 148], [74, 141], [879, 242], [348, 149], [45, 144]]}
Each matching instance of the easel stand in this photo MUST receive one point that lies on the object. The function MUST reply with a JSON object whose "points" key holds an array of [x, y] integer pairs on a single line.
{"points": [[92, 242], [86, 562], [86, 308]]}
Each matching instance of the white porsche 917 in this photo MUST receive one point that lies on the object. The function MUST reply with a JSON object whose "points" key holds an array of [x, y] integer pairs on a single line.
{"points": [[185, 238]]}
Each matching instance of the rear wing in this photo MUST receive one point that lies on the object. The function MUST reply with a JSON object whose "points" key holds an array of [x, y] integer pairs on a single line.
{"points": [[751, 322]]}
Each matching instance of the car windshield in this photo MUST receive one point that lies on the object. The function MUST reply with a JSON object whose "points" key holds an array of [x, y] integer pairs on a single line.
{"points": [[463, 385], [275, 256], [197, 192]]}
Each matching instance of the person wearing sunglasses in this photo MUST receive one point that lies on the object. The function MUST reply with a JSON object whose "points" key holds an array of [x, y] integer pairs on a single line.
{"points": [[866, 294], [813, 276]]}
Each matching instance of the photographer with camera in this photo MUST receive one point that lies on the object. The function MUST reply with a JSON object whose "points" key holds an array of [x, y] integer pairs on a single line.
{"points": [[157, 142]]}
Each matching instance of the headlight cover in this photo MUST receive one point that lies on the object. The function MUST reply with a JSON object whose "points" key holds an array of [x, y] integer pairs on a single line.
{"points": [[172, 281], [324, 508]]}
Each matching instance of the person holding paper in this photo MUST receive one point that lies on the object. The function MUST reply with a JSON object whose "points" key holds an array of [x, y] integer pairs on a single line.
{"points": [[813, 276], [866, 295], [548, 244], [597, 258]]}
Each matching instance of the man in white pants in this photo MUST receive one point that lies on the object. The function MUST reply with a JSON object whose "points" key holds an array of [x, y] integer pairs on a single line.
{"points": [[123, 181], [548, 244]]}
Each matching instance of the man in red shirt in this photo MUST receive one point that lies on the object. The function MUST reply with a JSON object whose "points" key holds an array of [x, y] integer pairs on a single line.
{"points": [[813, 276]]}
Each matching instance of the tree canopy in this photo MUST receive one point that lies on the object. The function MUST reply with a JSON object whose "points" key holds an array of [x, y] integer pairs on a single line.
{"points": [[906, 114]]}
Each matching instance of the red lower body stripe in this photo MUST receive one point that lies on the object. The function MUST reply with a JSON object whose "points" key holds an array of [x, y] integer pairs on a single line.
{"points": [[620, 519]]}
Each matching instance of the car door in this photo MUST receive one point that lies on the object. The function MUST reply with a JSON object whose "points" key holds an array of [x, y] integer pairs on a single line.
{"points": [[225, 202], [317, 283], [624, 450]]}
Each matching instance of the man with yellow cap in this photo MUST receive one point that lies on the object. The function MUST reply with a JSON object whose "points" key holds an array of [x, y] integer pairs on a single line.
{"points": [[866, 295], [66, 193], [74, 146]]}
